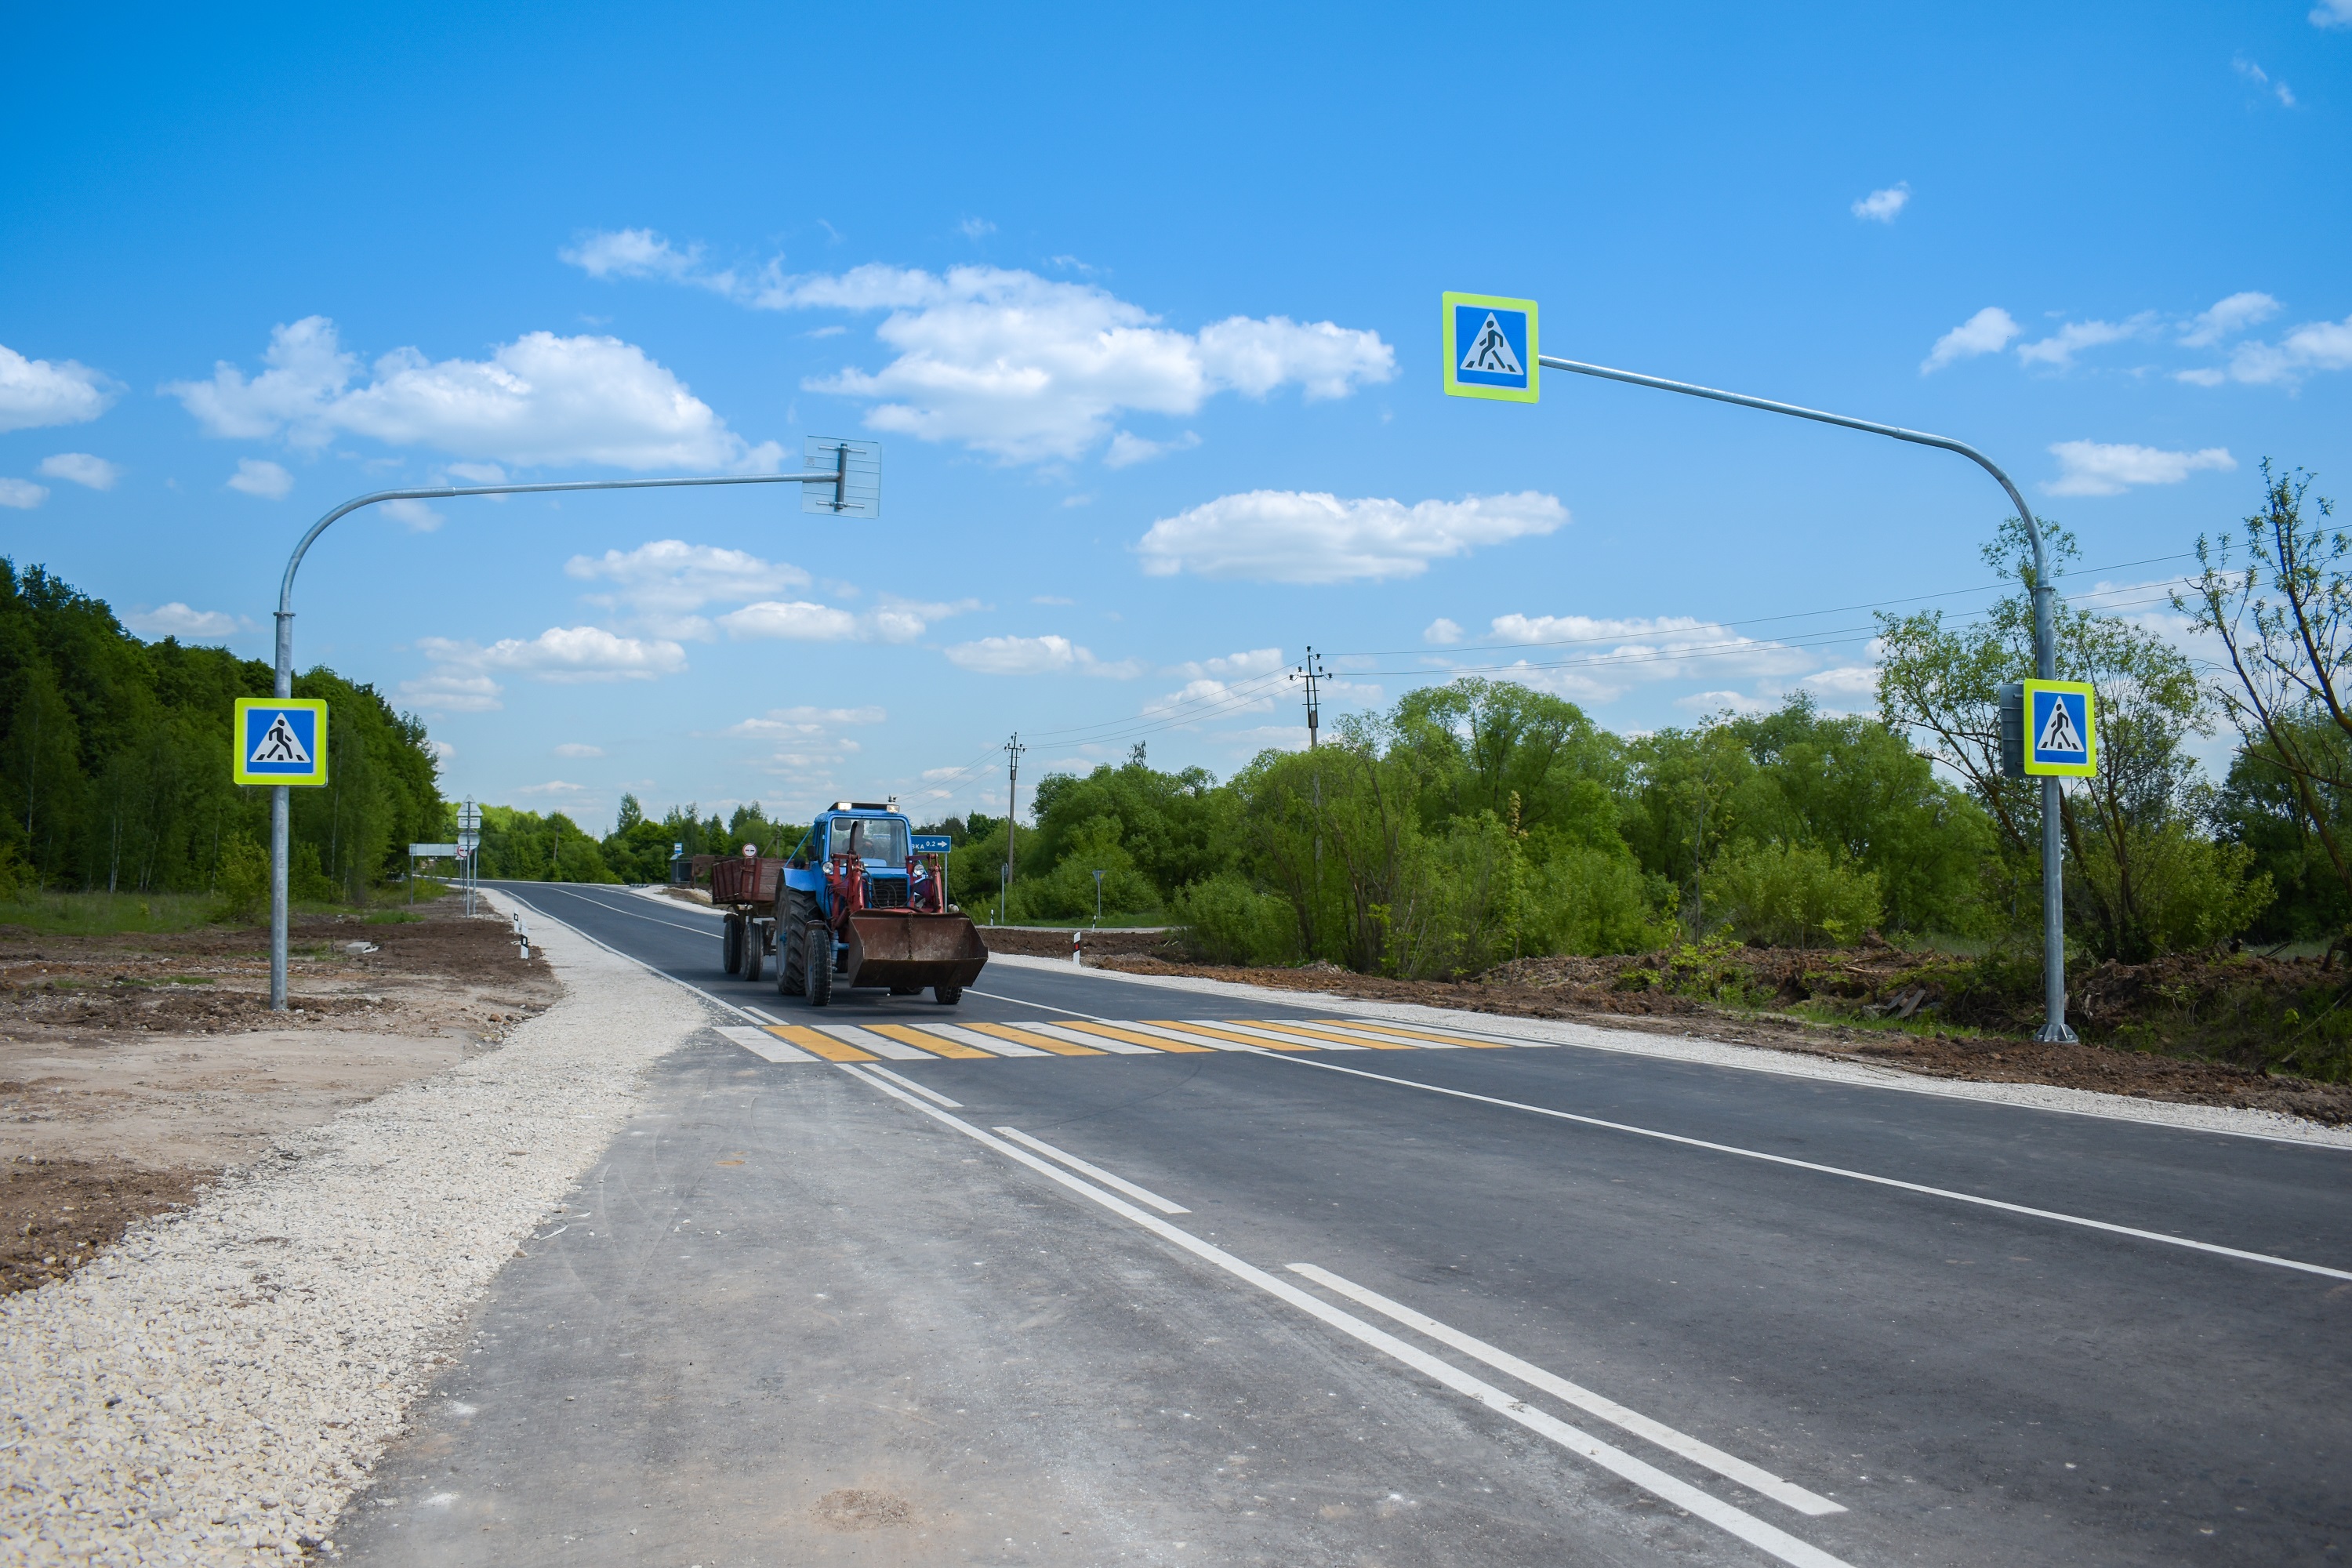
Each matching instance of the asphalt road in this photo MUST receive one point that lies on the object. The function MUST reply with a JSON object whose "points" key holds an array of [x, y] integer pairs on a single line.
{"points": [[808, 1313]]}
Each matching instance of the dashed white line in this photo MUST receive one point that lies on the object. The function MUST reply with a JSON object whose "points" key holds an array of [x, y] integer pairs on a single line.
{"points": [[1141, 1195]]}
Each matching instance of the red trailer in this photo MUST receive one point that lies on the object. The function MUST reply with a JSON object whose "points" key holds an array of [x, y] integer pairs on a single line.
{"points": [[744, 886]]}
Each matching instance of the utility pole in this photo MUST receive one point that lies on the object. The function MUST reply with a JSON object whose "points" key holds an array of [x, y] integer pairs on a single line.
{"points": [[1013, 749], [1312, 672]]}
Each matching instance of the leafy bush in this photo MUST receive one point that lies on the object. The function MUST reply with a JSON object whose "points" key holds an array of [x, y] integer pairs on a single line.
{"points": [[1226, 921], [241, 892], [1790, 895], [1590, 901]]}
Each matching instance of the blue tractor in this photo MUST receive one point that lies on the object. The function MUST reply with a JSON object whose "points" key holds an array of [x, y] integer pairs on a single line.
{"points": [[863, 900]]}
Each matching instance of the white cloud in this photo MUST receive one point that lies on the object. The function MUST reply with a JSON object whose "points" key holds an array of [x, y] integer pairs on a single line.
{"points": [[567, 655], [260, 477], [1881, 207], [1596, 660], [1048, 654], [578, 749], [894, 620], [976, 228], [81, 468], [22, 494], [413, 516], [642, 253], [1028, 369], [1127, 448], [665, 582], [1254, 661], [177, 620], [2313, 346], [2260, 77], [449, 690], [1987, 332], [442, 750], [35, 392], [2060, 347], [541, 399], [2331, 14], [2229, 317], [1295, 536], [795, 723], [1441, 632], [552, 786], [479, 473], [2099, 468], [1208, 700]]}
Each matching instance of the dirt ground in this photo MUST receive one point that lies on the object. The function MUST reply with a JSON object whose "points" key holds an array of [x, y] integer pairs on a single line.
{"points": [[133, 1067], [1587, 991]]}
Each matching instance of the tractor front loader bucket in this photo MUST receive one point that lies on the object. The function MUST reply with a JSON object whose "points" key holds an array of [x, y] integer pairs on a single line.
{"points": [[890, 948]]}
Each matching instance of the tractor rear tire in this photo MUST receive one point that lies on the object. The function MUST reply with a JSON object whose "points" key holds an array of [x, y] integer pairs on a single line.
{"points": [[755, 950], [946, 995], [731, 944], [794, 910], [818, 943]]}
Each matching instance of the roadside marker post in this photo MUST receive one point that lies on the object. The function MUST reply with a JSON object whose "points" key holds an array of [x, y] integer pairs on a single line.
{"points": [[851, 470], [1458, 308]]}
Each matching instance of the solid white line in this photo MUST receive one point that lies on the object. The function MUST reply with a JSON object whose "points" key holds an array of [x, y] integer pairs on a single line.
{"points": [[933, 1095], [1080, 1037], [1024, 1002], [1736, 1522], [2087, 1223], [1141, 1195], [616, 910], [1753, 1477], [867, 1040], [508, 891], [981, 1041], [761, 1043]]}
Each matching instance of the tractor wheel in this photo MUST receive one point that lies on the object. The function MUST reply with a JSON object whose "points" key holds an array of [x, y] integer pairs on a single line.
{"points": [[791, 977], [731, 944], [755, 950], [946, 995], [818, 948]]}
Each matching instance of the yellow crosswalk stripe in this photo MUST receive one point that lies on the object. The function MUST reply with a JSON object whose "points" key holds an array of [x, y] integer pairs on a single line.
{"points": [[825, 1046], [1042, 1042], [908, 1036], [1156, 1042], [1359, 1023], [1287, 1027], [1215, 1034]]}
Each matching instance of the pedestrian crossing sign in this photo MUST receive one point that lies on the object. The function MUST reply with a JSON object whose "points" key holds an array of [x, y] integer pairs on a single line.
{"points": [[279, 740], [1490, 347], [2062, 729]]}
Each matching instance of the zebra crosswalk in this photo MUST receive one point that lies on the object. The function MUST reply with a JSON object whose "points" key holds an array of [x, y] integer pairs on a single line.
{"points": [[1099, 1038]]}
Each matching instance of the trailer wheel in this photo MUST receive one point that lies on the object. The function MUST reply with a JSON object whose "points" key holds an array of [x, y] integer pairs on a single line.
{"points": [[946, 995], [819, 962], [731, 944], [755, 950]]}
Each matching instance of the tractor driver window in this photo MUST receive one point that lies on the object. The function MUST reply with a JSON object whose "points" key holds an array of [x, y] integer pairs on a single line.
{"points": [[879, 840]]}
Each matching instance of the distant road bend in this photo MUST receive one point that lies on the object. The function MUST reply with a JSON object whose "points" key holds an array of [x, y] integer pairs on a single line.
{"points": [[1086, 1270]]}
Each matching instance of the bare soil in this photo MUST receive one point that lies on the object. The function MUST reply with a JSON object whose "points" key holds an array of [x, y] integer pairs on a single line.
{"points": [[133, 1067], [2159, 1019]]}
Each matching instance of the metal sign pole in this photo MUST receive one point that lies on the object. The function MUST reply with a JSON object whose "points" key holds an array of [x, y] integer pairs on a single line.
{"points": [[2045, 643], [839, 474]]}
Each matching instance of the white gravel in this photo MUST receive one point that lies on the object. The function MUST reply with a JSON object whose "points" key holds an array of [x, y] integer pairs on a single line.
{"points": [[2270, 1124], [214, 1389]]}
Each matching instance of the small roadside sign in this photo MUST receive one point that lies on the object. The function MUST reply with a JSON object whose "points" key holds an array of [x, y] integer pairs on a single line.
{"points": [[2061, 729], [1490, 347], [433, 851], [279, 740], [933, 843]]}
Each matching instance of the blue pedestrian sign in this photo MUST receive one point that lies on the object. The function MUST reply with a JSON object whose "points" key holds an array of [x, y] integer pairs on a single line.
{"points": [[279, 740], [1490, 347], [2061, 730]]}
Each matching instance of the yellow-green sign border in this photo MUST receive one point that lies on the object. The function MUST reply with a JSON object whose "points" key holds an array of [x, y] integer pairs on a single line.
{"points": [[1454, 354], [2089, 766], [238, 758]]}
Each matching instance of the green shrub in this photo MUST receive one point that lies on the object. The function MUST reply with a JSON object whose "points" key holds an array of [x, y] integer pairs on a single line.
{"points": [[1590, 901], [1790, 895], [1225, 920], [241, 891]]}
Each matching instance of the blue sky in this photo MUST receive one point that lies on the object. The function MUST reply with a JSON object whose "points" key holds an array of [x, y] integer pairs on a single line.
{"points": [[1144, 311]]}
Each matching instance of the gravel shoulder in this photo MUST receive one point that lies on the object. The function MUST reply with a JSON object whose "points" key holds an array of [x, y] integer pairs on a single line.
{"points": [[214, 1386]]}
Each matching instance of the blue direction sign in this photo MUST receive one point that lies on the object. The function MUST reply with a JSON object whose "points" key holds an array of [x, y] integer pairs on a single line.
{"points": [[933, 843], [279, 740], [2062, 738], [1490, 347]]}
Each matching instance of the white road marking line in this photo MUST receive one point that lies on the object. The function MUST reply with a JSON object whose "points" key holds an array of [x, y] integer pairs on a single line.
{"points": [[616, 910], [761, 1043], [1178, 1036], [2108, 1226], [933, 1095], [1141, 1195], [1753, 1477], [1231, 1027], [1080, 1037], [867, 1040], [506, 891], [1734, 1520], [1418, 1042], [981, 1041], [1024, 1002], [1396, 1028]]}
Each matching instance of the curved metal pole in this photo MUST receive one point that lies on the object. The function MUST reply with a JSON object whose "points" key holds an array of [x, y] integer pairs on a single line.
{"points": [[2045, 640], [283, 685]]}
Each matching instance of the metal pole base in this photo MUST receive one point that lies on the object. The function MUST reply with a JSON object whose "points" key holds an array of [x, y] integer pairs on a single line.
{"points": [[2057, 1034]]}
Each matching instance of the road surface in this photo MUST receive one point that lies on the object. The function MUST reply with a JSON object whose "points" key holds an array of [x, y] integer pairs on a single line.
{"points": [[1181, 1300]]}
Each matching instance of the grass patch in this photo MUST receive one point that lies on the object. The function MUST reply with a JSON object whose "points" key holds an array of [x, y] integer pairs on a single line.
{"points": [[392, 917], [107, 914]]}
